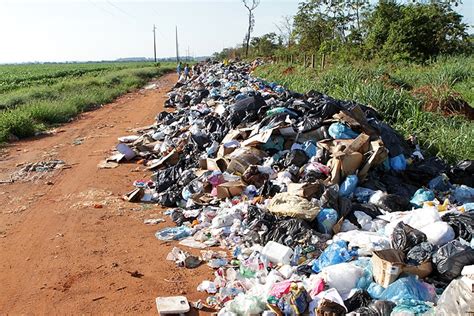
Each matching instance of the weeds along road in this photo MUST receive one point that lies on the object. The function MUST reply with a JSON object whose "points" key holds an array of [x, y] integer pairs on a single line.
{"points": [[68, 243]]}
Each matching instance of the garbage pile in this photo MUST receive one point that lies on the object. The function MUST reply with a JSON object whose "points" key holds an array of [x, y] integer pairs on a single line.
{"points": [[320, 205]]}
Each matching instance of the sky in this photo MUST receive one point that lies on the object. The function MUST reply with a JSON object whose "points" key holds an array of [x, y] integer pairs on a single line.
{"points": [[86, 30]]}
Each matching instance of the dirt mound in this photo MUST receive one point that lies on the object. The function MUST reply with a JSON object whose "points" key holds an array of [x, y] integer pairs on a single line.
{"points": [[444, 100], [289, 71]]}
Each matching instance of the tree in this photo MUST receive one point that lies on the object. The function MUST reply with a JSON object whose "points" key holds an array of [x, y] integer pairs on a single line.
{"points": [[250, 5], [285, 28], [266, 45], [415, 32]]}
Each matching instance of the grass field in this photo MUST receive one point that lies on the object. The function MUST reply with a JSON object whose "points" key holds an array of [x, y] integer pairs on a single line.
{"points": [[392, 90], [36, 96]]}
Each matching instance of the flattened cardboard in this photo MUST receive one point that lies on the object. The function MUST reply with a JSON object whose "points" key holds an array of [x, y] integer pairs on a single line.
{"points": [[168, 160], [260, 138], [350, 163]]}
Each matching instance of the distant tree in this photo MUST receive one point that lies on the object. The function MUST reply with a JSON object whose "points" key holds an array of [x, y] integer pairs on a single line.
{"points": [[285, 28], [423, 31], [266, 45], [250, 5]]}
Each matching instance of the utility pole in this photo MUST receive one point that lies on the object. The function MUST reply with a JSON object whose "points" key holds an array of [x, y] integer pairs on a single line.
{"points": [[177, 51], [154, 41]]}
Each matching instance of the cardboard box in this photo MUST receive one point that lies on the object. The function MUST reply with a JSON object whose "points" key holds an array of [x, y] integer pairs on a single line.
{"points": [[306, 190], [218, 164], [387, 265], [230, 189]]}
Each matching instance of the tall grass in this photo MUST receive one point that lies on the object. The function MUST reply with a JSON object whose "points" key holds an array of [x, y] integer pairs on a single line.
{"points": [[451, 138], [29, 110]]}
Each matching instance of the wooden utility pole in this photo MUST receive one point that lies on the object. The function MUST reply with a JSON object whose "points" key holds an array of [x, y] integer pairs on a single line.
{"points": [[154, 41], [177, 51]]}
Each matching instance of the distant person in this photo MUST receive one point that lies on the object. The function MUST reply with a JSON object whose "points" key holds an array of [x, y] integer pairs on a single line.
{"points": [[178, 69], [186, 71]]}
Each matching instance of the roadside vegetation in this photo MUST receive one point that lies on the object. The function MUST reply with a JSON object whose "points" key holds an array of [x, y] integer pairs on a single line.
{"points": [[397, 93], [411, 60], [36, 97]]}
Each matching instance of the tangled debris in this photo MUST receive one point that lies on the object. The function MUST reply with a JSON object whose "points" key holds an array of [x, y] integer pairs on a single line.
{"points": [[322, 206]]}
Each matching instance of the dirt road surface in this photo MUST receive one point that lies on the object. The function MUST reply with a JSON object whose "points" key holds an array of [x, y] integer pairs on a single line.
{"points": [[68, 243]]}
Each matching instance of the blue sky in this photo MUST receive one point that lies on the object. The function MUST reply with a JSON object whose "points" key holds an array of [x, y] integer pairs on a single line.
{"points": [[109, 29]]}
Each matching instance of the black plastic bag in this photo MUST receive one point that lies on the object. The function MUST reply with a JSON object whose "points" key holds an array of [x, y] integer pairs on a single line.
{"points": [[382, 308], [451, 258], [167, 177], [296, 157], [405, 237], [393, 203], [463, 173], [462, 224], [420, 253], [361, 298], [170, 198]]}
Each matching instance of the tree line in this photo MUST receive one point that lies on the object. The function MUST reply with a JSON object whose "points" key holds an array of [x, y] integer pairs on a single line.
{"points": [[345, 30]]}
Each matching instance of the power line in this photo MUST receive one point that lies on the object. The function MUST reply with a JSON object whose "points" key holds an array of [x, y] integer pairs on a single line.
{"points": [[119, 9]]}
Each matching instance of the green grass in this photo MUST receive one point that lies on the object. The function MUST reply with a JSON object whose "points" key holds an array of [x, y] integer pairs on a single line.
{"points": [[388, 88], [30, 104]]}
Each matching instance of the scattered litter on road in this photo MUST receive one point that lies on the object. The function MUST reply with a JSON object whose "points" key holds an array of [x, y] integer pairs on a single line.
{"points": [[321, 206]]}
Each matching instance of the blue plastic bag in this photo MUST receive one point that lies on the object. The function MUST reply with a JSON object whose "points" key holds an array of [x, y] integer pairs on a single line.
{"points": [[310, 148], [326, 218], [341, 131], [335, 253], [440, 183], [173, 233], [409, 288], [398, 163], [422, 195], [464, 194], [363, 194], [348, 186]]}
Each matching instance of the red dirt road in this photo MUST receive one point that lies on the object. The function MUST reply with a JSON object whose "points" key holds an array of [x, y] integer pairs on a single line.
{"points": [[68, 243]]}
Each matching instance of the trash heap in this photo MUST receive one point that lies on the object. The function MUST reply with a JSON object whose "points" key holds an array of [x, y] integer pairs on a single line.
{"points": [[317, 204]]}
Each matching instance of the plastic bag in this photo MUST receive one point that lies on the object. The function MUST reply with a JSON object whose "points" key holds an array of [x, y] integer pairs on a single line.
{"points": [[462, 224], [173, 233], [287, 204], [341, 131], [422, 195], [296, 157], [457, 299], [420, 253], [348, 186], [463, 194], [440, 183], [409, 288], [326, 219], [398, 163], [405, 237], [438, 233], [451, 258], [343, 277], [335, 253], [359, 299], [463, 173]]}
